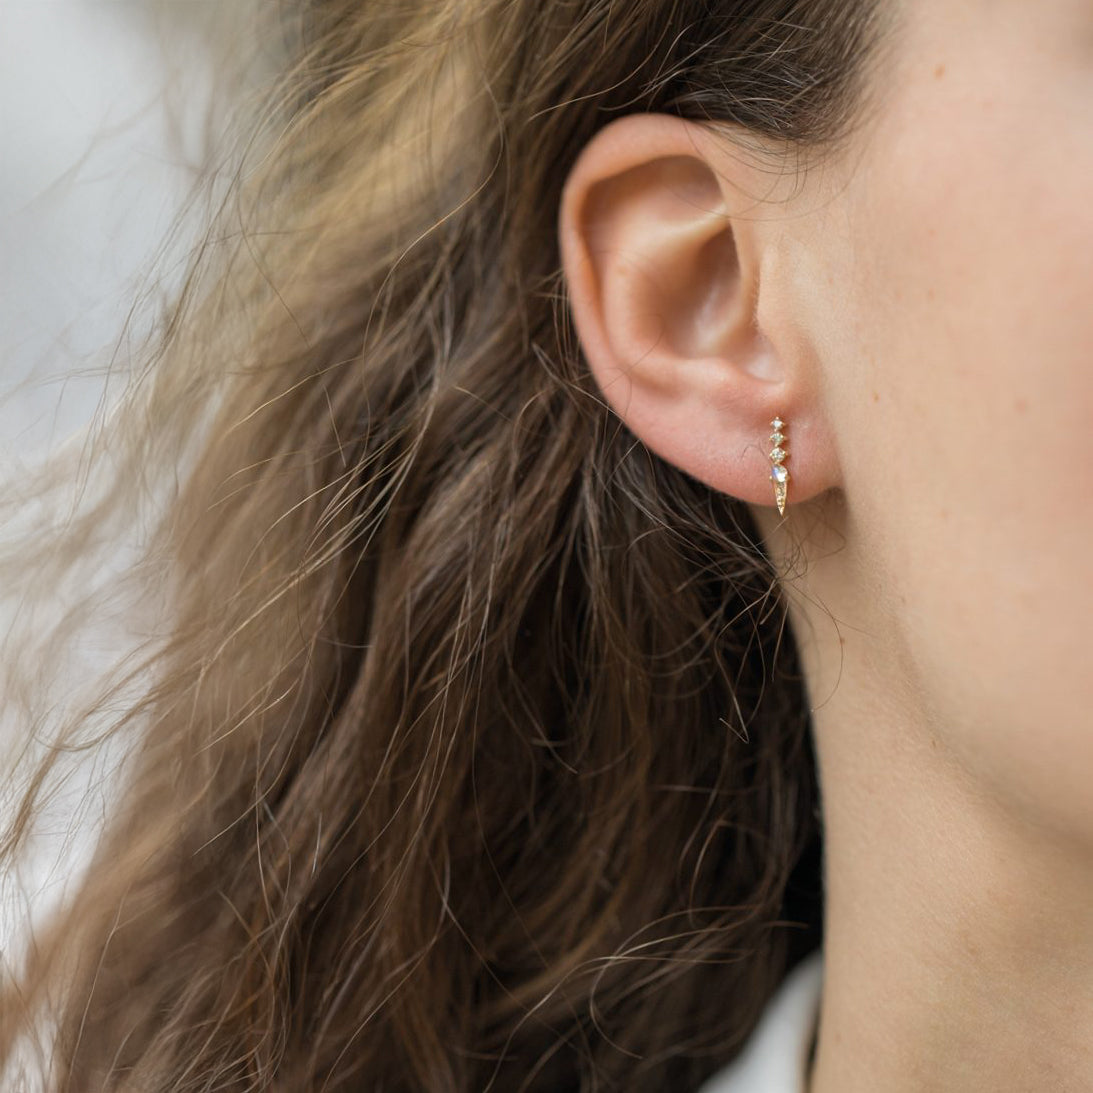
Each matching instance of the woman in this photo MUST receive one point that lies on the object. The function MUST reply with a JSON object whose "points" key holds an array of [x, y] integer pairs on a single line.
{"points": [[474, 746]]}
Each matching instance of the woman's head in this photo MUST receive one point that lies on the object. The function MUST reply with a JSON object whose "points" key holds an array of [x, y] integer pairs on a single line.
{"points": [[913, 309], [474, 754]]}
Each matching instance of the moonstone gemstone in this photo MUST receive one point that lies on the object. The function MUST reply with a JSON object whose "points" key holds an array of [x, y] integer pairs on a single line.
{"points": [[778, 473]]}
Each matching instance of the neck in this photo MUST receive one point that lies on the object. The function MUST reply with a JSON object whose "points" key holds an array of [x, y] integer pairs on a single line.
{"points": [[958, 938]]}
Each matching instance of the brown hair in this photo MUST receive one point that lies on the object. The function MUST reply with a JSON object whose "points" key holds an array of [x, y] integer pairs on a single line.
{"points": [[465, 749]]}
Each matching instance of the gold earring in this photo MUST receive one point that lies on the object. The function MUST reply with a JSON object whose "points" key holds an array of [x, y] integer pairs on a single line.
{"points": [[778, 474]]}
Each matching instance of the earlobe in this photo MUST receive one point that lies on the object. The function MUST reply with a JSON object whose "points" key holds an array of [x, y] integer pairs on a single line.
{"points": [[666, 255]]}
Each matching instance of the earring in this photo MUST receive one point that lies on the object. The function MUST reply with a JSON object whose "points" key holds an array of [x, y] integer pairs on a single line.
{"points": [[778, 474]]}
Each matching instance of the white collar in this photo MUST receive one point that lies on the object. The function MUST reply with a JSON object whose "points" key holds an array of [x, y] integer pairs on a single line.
{"points": [[775, 1057]]}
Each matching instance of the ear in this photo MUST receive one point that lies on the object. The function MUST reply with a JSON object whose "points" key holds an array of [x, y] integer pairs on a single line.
{"points": [[681, 295]]}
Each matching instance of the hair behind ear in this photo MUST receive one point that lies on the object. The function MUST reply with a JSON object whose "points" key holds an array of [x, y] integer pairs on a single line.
{"points": [[466, 752]]}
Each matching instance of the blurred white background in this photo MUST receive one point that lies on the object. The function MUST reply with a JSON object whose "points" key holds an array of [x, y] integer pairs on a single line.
{"points": [[109, 113], [104, 107]]}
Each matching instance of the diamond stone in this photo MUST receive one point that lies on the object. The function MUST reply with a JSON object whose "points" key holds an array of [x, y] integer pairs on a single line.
{"points": [[777, 423], [778, 473], [777, 455], [776, 438]]}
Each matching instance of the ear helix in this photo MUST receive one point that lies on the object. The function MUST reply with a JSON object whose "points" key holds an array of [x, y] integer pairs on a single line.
{"points": [[778, 473]]}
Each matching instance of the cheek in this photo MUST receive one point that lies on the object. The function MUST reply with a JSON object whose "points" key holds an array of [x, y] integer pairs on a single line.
{"points": [[970, 454]]}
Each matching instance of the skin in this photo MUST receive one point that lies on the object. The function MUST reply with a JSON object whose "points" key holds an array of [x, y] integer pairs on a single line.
{"points": [[916, 310]]}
